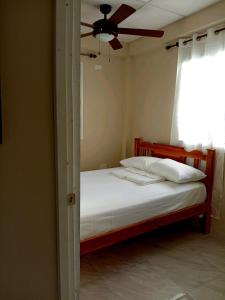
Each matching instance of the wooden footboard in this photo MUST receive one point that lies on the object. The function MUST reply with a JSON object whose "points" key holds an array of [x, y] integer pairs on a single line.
{"points": [[143, 148]]}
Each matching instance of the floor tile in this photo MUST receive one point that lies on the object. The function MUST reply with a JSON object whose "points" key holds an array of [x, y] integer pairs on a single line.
{"points": [[172, 262]]}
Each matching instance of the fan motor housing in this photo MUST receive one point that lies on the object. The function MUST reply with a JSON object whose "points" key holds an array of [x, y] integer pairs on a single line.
{"points": [[105, 26], [105, 9]]}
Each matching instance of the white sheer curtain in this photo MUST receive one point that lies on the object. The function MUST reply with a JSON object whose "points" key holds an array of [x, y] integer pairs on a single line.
{"points": [[199, 109]]}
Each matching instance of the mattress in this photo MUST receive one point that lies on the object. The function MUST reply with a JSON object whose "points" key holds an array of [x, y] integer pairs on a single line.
{"points": [[109, 203]]}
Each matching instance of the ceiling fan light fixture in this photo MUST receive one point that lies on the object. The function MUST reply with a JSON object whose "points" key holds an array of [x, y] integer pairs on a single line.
{"points": [[105, 37], [107, 30]]}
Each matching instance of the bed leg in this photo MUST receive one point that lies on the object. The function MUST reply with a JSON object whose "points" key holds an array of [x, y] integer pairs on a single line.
{"points": [[207, 223]]}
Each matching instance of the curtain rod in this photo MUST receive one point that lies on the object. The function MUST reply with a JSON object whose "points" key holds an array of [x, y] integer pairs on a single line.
{"points": [[168, 47], [91, 55]]}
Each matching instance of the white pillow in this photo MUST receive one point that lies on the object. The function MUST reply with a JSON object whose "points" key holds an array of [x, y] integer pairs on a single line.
{"points": [[175, 171], [139, 162]]}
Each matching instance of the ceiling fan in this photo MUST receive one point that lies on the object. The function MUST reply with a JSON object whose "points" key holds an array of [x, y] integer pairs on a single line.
{"points": [[107, 30]]}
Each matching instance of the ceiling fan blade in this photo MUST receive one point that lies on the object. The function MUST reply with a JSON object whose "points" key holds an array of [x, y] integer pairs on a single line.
{"points": [[86, 34], [86, 24], [115, 44], [123, 12], [141, 32]]}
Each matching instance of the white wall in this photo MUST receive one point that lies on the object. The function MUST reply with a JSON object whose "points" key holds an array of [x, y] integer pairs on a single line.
{"points": [[103, 109]]}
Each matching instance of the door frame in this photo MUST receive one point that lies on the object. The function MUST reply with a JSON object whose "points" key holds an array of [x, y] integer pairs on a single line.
{"points": [[67, 112]]}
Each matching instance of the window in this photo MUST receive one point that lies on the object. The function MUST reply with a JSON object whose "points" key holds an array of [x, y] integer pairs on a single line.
{"points": [[199, 110], [201, 102]]}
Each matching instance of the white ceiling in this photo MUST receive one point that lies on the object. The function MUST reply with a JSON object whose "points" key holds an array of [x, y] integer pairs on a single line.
{"points": [[150, 14]]}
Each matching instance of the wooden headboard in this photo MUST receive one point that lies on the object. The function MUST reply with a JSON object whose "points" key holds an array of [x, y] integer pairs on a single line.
{"points": [[143, 148]]}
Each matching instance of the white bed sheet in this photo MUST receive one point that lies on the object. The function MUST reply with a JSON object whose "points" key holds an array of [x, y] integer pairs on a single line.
{"points": [[109, 203]]}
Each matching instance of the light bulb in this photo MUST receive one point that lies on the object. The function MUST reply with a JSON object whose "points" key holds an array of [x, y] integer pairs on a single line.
{"points": [[105, 37]]}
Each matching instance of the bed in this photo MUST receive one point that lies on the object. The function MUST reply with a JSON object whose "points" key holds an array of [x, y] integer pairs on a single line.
{"points": [[113, 210]]}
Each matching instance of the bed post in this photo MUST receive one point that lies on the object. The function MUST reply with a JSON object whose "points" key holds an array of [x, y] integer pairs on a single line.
{"points": [[137, 142], [209, 185]]}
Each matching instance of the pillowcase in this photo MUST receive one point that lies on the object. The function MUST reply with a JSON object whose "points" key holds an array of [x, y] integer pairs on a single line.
{"points": [[139, 162], [176, 171]]}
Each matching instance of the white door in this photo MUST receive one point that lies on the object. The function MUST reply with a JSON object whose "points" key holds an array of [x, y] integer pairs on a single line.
{"points": [[68, 144]]}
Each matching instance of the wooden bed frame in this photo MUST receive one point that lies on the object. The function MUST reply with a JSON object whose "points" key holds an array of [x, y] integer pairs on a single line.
{"points": [[142, 148]]}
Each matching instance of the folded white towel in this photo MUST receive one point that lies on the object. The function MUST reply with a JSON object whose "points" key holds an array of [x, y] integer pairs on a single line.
{"points": [[137, 176], [146, 174]]}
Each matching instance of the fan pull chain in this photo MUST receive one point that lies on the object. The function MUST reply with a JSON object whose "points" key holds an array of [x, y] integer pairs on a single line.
{"points": [[99, 47], [109, 54]]}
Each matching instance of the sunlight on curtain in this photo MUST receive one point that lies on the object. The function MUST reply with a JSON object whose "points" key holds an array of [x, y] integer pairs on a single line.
{"points": [[199, 110], [201, 106]]}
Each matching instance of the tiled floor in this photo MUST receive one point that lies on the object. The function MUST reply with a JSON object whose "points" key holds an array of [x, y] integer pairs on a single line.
{"points": [[162, 265]]}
